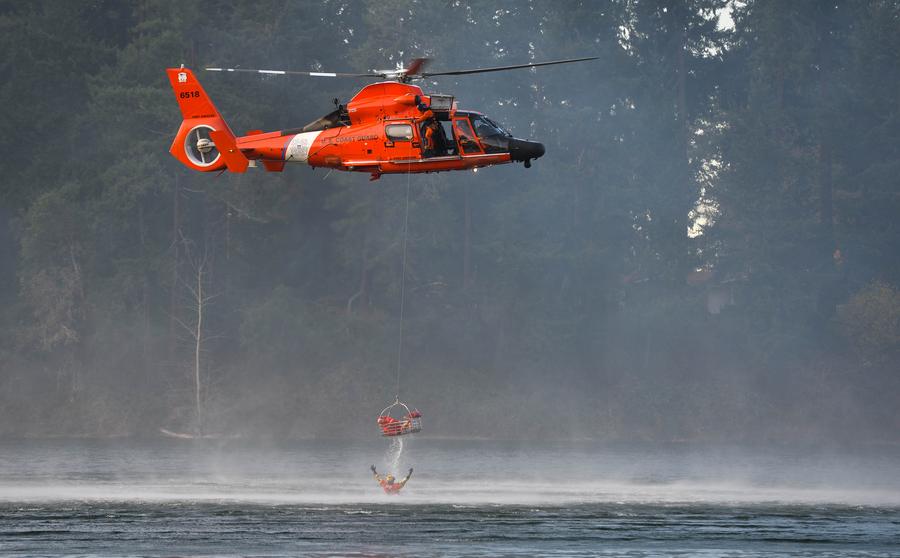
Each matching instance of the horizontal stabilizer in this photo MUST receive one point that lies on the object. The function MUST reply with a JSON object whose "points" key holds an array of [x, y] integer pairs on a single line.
{"points": [[234, 159]]}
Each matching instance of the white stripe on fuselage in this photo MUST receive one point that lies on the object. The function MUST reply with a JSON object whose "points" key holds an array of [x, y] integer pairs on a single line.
{"points": [[298, 149]]}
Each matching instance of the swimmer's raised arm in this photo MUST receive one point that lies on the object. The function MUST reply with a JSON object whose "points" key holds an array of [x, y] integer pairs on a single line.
{"points": [[409, 474]]}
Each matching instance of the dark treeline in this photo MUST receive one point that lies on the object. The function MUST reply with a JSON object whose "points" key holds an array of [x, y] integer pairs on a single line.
{"points": [[708, 251]]}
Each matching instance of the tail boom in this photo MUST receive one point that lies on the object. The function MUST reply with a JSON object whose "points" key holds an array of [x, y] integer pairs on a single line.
{"points": [[205, 143]]}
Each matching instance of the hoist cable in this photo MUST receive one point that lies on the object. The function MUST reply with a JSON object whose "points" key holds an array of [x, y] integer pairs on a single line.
{"points": [[403, 282]]}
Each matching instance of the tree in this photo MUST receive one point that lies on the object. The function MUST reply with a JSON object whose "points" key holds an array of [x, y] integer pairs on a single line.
{"points": [[871, 321]]}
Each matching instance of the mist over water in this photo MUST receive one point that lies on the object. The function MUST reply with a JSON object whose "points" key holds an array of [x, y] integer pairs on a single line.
{"points": [[465, 499], [448, 472]]}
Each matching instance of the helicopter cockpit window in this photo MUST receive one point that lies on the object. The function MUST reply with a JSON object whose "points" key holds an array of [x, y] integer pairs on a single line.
{"points": [[494, 138], [503, 130], [399, 132], [333, 119], [485, 127]]}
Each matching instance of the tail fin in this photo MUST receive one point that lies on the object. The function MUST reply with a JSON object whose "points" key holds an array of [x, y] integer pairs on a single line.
{"points": [[204, 141]]}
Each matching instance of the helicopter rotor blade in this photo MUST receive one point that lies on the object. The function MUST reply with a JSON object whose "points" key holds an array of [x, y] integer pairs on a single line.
{"points": [[502, 68], [290, 72], [415, 65], [403, 74]]}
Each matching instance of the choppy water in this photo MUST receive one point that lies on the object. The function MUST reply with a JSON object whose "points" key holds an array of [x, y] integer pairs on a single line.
{"points": [[465, 499]]}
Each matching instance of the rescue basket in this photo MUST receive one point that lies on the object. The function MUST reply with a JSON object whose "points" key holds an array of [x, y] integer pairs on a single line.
{"points": [[397, 420]]}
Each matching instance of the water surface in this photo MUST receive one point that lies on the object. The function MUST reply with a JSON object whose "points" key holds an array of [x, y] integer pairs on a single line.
{"points": [[465, 499]]}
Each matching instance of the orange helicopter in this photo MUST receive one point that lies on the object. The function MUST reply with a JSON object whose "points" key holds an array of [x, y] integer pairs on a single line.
{"points": [[387, 128]]}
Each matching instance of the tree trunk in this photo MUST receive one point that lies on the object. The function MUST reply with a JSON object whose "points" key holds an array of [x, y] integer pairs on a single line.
{"points": [[145, 298], [682, 88], [198, 340], [173, 298], [79, 323], [687, 188]]}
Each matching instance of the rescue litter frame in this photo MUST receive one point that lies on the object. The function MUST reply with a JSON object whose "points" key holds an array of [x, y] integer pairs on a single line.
{"points": [[409, 422]]}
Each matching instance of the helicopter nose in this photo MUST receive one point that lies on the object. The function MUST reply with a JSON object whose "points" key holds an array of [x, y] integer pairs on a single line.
{"points": [[524, 150]]}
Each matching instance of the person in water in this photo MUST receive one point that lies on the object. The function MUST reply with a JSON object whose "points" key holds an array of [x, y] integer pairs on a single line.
{"points": [[389, 483]]}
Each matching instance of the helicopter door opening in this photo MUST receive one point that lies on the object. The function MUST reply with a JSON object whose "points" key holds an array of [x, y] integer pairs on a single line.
{"points": [[465, 136], [436, 141], [449, 144]]}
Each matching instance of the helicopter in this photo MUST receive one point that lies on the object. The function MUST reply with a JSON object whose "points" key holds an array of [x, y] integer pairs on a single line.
{"points": [[388, 127]]}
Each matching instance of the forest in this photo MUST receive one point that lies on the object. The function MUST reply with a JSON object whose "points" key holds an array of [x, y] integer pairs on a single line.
{"points": [[709, 250]]}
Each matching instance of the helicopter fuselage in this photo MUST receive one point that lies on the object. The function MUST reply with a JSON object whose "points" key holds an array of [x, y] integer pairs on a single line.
{"points": [[387, 128]]}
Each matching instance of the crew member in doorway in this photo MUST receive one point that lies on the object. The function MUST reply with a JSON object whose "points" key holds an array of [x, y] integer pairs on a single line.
{"points": [[430, 136], [389, 483]]}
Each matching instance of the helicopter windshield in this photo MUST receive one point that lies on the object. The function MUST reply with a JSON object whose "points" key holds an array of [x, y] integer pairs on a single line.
{"points": [[485, 127], [503, 130], [493, 138]]}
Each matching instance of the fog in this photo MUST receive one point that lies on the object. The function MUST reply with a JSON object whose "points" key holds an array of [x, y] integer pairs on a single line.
{"points": [[460, 473], [706, 254]]}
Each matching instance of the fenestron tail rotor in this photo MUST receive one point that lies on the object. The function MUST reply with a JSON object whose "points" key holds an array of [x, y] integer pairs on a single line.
{"points": [[407, 74], [199, 148]]}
